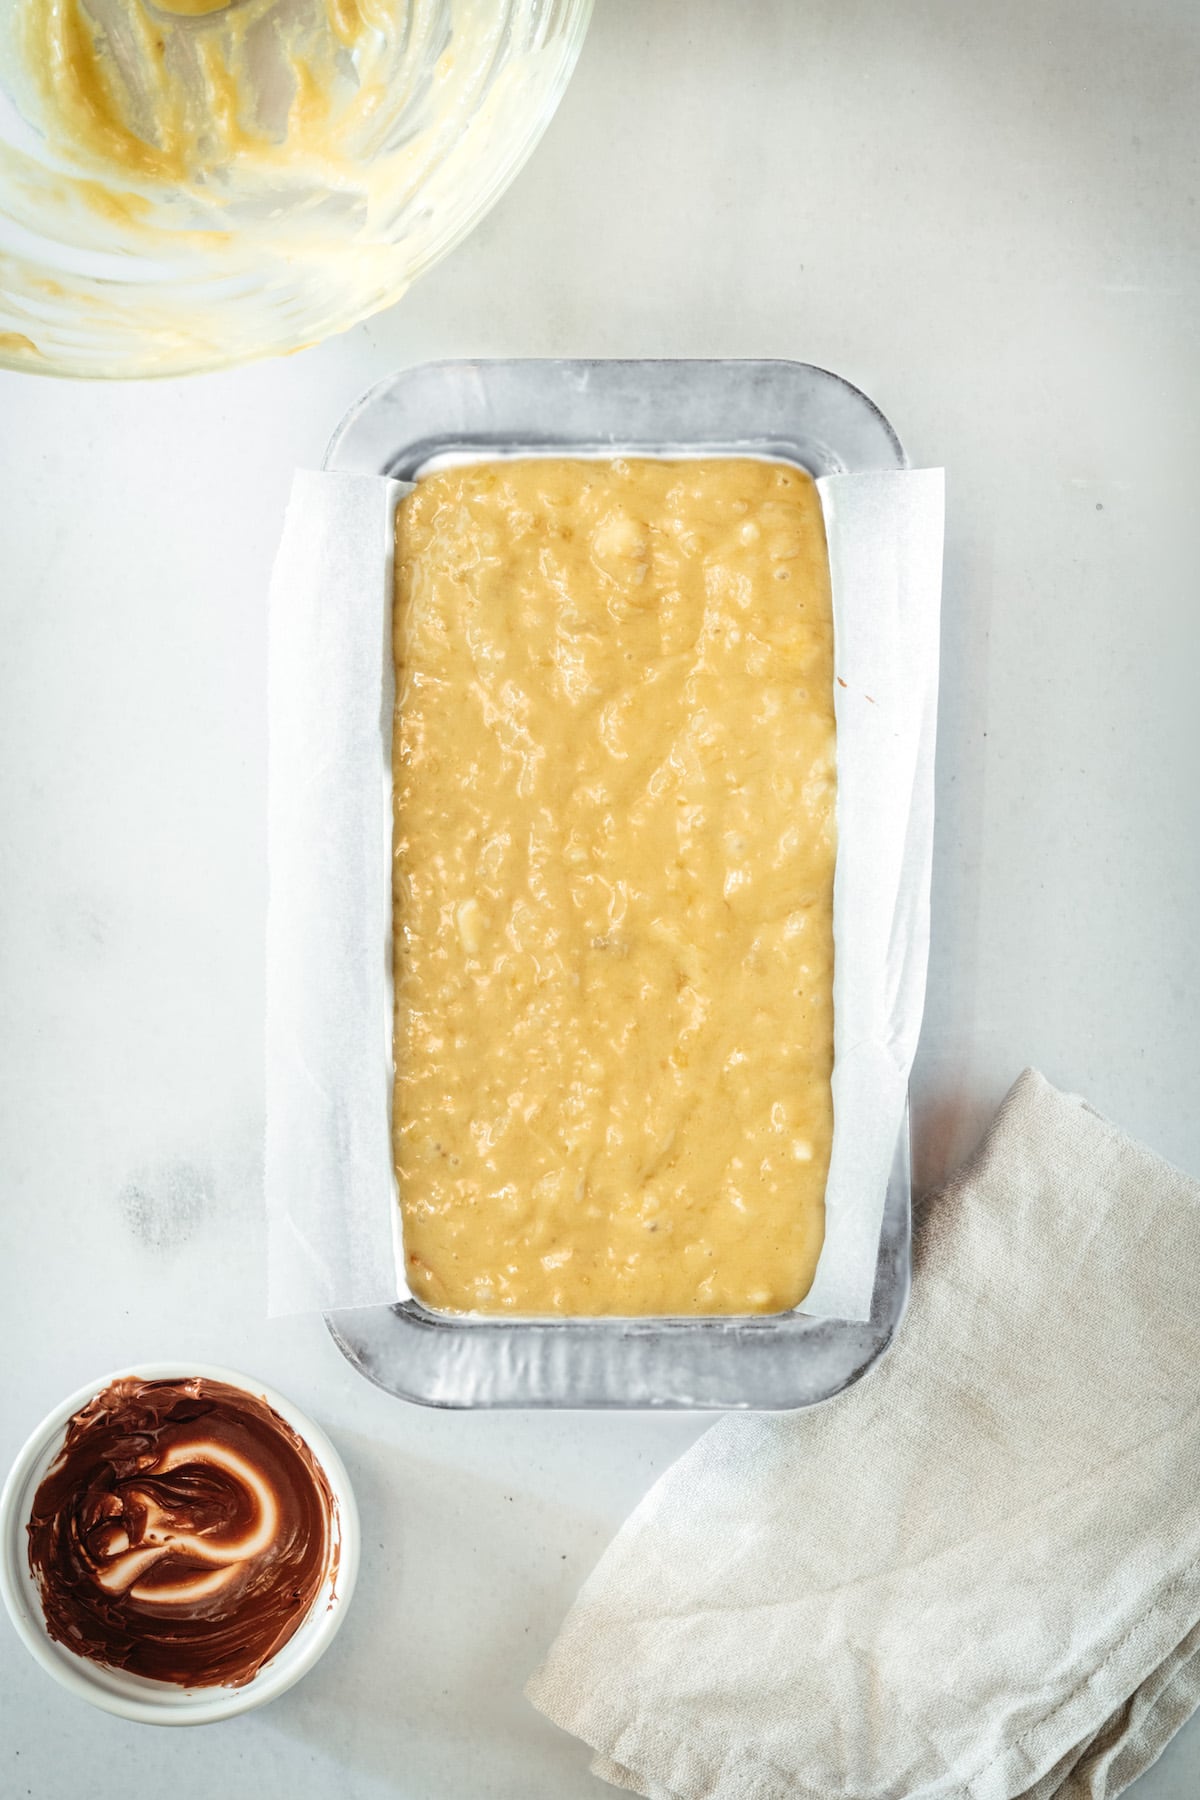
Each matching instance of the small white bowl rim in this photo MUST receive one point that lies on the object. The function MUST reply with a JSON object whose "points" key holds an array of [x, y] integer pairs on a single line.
{"points": [[75, 1672]]}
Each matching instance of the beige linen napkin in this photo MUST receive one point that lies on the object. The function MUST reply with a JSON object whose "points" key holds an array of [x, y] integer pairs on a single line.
{"points": [[974, 1576]]}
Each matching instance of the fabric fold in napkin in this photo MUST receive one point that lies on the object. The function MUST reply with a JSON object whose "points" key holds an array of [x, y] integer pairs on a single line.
{"points": [[976, 1575]]}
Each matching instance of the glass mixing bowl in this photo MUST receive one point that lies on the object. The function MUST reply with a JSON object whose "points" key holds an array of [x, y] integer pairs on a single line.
{"points": [[189, 183]]}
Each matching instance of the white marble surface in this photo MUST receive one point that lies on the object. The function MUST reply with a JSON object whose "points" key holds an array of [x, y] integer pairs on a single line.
{"points": [[986, 216]]}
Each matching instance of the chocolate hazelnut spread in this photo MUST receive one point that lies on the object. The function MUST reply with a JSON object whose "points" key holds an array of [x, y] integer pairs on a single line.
{"points": [[183, 1532]]}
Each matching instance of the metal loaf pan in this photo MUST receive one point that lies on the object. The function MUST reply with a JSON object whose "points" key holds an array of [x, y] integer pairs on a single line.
{"points": [[785, 410]]}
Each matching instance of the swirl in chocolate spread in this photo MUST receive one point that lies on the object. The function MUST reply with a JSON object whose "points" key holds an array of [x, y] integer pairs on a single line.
{"points": [[182, 1533]]}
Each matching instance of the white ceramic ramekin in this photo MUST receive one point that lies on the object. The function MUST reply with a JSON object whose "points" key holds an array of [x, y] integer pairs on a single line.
{"points": [[133, 1696]]}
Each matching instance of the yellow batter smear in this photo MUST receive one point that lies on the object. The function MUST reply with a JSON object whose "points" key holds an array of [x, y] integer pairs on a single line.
{"points": [[614, 848], [128, 90]]}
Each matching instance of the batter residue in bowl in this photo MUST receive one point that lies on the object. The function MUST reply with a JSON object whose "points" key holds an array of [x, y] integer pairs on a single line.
{"points": [[614, 845], [194, 91], [185, 185]]}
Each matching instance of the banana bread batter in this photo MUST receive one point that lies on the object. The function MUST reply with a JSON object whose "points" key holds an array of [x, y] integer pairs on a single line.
{"points": [[614, 845]]}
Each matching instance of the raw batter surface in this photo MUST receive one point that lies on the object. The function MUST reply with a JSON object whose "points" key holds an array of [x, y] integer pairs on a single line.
{"points": [[614, 849]]}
